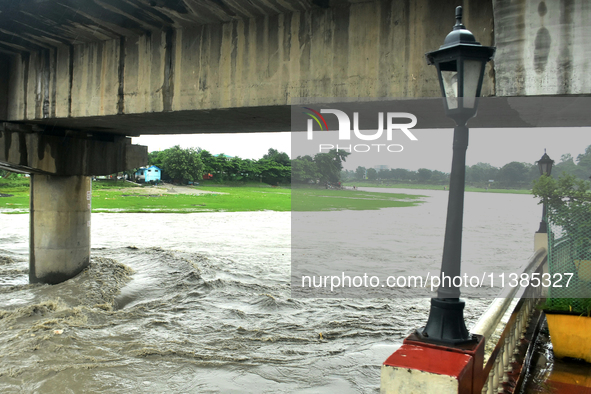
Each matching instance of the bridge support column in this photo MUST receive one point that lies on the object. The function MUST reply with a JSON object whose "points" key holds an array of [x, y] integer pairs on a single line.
{"points": [[60, 163], [60, 227]]}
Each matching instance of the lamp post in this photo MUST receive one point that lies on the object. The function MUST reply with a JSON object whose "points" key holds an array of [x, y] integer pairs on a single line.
{"points": [[545, 167], [460, 64]]}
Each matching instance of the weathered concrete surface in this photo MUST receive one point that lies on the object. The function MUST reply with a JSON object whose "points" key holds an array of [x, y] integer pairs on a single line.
{"points": [[238, 60], [4, 76], [543, 47], [136, 67], [60, 227], [67, 153]]}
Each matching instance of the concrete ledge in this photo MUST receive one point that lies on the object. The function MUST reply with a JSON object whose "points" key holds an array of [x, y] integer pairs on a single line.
{"points": [[38, 153]]}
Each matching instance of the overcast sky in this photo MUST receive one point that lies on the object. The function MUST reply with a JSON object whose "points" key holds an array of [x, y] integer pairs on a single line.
{"points": [[432, 150]]}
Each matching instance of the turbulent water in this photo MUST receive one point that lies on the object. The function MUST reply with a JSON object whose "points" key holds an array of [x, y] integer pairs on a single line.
{"points": [[201, 303]]}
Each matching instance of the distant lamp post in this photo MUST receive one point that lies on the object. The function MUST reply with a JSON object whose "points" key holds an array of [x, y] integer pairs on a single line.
{"points": [[460, 63], [545, 167]]}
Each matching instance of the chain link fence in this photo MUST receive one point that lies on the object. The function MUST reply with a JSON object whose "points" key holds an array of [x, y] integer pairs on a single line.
{"points": [[569, 256]]}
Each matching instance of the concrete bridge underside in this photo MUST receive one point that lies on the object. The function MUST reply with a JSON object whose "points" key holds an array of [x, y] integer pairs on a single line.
{"points": [[79, 76]]}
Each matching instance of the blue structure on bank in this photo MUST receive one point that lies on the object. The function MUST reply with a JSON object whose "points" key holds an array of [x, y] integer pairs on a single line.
{"points": [[147, 174]]}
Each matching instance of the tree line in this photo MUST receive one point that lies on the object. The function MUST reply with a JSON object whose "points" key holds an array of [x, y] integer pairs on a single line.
{"points": [[511, 175], [194, 164], [275, 167]]}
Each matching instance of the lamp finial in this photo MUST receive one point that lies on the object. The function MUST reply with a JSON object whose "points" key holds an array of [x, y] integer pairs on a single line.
{"points": [[459, 25]]}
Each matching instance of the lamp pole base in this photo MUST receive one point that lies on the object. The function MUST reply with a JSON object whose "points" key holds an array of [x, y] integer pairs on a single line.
{"points": [[446, 324]]}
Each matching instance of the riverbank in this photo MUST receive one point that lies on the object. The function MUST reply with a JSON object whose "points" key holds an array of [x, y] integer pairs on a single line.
{"points": [[432, 187], [126, 197]]}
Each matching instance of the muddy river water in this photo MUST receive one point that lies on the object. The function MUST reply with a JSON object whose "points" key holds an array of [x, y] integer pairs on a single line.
{"points": [[201, 303]]}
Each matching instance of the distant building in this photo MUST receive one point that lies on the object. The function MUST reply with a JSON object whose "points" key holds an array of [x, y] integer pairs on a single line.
{"points": [[147, 174], [381, 167]]}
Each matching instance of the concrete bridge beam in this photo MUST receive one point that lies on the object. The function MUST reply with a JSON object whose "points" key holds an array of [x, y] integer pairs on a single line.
{"points": [[59, 228]]}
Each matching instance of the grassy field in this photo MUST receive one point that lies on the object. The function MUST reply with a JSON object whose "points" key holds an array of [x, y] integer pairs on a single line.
{"points": [[14, 194], [230, 199], [434, 187], [109, 196], [333, 200]]}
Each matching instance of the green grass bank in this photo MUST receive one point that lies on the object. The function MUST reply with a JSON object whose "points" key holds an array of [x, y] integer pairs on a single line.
{"points": [[433, 187], [121, 196]]}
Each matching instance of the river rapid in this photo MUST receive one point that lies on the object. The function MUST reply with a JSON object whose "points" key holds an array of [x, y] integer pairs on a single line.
{"points": [[201, 303]]}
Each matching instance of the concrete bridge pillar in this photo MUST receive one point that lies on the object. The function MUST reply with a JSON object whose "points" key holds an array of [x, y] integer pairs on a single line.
{"points": [[61, 163], [59, 228]]}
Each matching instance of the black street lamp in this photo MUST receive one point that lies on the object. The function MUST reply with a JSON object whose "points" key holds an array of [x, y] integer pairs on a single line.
{"points": [[460, 63], [545, 167]]}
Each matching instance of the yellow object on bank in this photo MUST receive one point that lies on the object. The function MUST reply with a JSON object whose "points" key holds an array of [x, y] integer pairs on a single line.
{"points": [[583, 269], [570, 335]]}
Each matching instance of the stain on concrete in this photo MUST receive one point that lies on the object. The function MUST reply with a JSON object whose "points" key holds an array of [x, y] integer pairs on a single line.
{"points": [[24, 152], [25, 65], [121, 72], [511, 70], [273, 45], [53, 74], [542, 9], [566, 43], [7, 136], [168, 85], [542, 42], [45, 64], [70, 77], [542, 49]]}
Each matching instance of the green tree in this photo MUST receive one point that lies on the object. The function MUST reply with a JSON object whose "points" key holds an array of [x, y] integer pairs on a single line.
{"points": [[183, 164], [424, 175], [272, 172], [403, 175], [347, 175], [372, 174], [584, 164], [278, 157], [360, 172], [384, 174], [220, 164], [209, 161], [248, 170], [481, 173], [566, 165], [514, 174], [156, 158], [439, 177], [304, 170], [330, 164], [568, 207]]}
